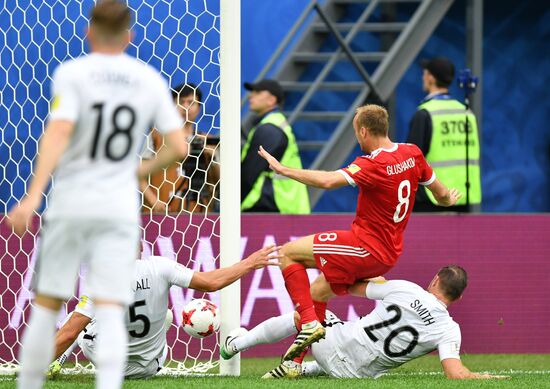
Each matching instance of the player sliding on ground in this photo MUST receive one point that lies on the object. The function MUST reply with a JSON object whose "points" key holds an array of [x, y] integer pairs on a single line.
{"points": [[148, 320], [388, 177], [407, 323]]}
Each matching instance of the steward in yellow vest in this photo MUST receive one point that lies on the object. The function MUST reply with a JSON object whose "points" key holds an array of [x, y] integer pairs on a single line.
{"points": [[438, 128], [261, 189]]}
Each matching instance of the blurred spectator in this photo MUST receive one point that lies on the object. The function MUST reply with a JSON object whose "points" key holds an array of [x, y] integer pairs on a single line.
{"points": [[438, 128], [261, 189], [191, 184]]}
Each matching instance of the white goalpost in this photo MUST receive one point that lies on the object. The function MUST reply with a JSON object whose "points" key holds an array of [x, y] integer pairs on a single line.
{"points": [[230, 232], [190, 42]]}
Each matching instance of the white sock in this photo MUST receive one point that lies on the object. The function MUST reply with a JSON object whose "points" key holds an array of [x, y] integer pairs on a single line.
{"points": [[63, 357], [112, 343], [270, 331], [312, 368], [38, 348]]}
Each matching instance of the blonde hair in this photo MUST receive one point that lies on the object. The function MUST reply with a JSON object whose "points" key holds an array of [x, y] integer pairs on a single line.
{"points": [[110, 18], [374, 118]]}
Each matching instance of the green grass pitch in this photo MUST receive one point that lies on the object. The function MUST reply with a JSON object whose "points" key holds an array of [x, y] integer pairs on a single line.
{"points": [[526, 371]]}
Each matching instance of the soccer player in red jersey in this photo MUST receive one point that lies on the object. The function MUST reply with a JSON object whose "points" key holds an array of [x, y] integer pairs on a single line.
{"points": [[387, 177]]}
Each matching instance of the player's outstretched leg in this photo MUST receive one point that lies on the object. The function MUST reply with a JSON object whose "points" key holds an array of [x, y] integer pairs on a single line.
{"points": [[228, 348], [55, 367], [269, 331], [297, 256]]}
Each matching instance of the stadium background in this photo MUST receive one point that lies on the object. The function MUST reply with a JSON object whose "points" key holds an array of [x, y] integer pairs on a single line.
{"points": [[516, 99]]}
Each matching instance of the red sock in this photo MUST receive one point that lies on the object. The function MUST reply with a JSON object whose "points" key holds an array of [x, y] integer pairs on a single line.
{"points": [[300, 358], [320, 310], [297, 285]]}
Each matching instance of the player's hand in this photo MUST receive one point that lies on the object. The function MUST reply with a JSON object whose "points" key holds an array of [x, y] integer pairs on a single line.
{"points": [[454, 196], [264, 257], [20, 217], [273, 163]]}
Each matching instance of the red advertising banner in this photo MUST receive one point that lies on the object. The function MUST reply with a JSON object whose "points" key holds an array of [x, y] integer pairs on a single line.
{"points": [[504, 310]]}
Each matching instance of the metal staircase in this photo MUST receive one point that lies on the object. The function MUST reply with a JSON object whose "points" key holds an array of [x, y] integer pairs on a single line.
{"points": [[355, 50]]}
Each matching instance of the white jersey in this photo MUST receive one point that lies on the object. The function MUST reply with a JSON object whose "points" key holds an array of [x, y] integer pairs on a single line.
{"points": [[407, 323], [113, 100], [146, 315]]}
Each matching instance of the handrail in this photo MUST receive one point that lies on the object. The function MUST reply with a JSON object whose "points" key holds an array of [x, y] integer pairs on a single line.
{"points": [[330, 64], [284, 43], [362, 72]]}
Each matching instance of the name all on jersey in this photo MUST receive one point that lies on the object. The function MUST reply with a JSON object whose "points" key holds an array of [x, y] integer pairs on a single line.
{"points": [[143, 284], [400, 167], [424, 314]]}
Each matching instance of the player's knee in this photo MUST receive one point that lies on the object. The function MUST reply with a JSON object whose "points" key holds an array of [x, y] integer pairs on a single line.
{"points": [[297, 252], [286, 261], [286, 250]]}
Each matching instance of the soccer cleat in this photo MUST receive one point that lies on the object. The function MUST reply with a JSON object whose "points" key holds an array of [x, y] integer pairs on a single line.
{"points": [[310, 333], [54, 370], [287, 369], [227, 349]]}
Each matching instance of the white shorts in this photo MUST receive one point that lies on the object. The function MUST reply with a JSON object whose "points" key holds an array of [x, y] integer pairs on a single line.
{"points": [[325, 353], [109, 248], [87, 343]]}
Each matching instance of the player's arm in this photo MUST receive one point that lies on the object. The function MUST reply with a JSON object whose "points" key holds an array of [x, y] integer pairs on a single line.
{"points": [[217, 279], [69, 332], [316, 178], [454, 369], [53, 143], [444, 196], [378, 288]]}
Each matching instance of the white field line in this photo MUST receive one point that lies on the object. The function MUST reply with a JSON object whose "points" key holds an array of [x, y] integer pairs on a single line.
{"points": [[508, 371], [418, 373]]}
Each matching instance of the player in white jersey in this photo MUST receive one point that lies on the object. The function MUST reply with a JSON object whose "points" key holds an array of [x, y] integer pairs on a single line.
{"points": [[147, 319], [408, 322], [103, 105]]}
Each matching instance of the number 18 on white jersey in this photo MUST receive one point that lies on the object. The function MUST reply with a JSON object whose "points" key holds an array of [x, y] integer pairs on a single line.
{"points": [[113, 101]]}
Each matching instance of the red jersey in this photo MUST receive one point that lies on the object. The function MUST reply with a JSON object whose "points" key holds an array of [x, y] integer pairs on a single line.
{"points": [[388, 180]]}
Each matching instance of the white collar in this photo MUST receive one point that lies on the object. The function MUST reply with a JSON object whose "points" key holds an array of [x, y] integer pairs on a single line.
{"points": [[391, 149]]}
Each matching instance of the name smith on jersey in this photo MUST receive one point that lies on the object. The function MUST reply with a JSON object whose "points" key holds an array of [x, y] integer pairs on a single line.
{"points": [[424, 314]]}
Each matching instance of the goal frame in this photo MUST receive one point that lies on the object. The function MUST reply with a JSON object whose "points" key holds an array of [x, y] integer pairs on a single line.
{"points": [[230, 171]]}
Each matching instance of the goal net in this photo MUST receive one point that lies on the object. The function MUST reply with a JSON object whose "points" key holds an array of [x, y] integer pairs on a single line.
{"points": [[180, 214]]}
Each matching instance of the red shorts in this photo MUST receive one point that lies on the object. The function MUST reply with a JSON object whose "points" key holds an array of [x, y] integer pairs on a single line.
{"points": [[343, 261]]}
